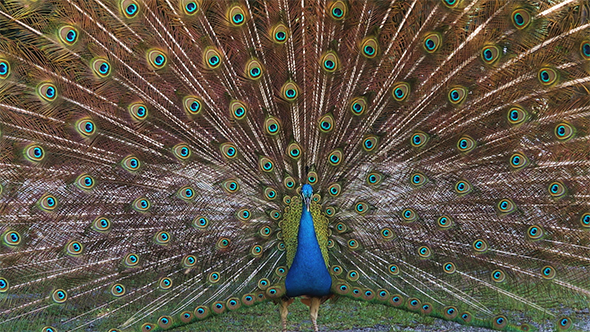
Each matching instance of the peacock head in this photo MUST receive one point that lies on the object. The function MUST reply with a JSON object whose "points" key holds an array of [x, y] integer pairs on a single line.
{"points": [[306, 193]]}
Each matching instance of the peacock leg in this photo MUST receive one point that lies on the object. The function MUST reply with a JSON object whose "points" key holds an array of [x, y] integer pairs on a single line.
{"points": [[284, 310], [314, 308]]}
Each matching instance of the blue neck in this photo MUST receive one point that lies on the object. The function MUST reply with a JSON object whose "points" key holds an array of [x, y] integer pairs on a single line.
{"points": [[308, 275]]}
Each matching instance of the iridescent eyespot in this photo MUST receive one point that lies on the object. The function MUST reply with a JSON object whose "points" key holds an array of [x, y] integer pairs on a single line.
{"points": [[480, 246], [564, 323], [256, 250], [272, 125], [374, 178], [47, 203], [270, 193], [409, 215], [457, 95], [369, 47], [386, 233], [547, 76], [131, 260], [162, 238], [280, 33], [101, 68], [101, 224], [466, 317], [138, 111], [275, 214], [521, 18], [336, 270], [361, 207], [130, 8], [141, 204], [85, 127], [326, 123], [190, 7], [335, 157], [47, 91], [444, 222], [312, 177], [449, 268], [68, 35], [426, 309], [450, 313], [165, 283], [548, 272], [424, 252], [414, 304], [223, 243], [181, 151], [281, 271], [236, 16], [212, 58], [59, 296], [289, 182], [451, 3], [248, 299], [189, 261], [368, 295], [353, 244], [490, 54], [253, 69], [396, 300], [330, 61], [200, 222], [201, 312], [498, 276], [3, 285], [466, 144], [585, 220], [275, 292], [370, 143], [233, 303], [316, 198], [518, 160], [192, 105], [186, 193], [463, 187], [341, 228], [383, 295], [334, 189], [34, 153], [11, 238], [400, 91], [229, 150], [337, 10], [419, 139], [517, 115], [4, 69], [499, 322], [265, 164], [564, 131], [244, 214], [506, 206], [585, 50], [165, 321], [130, 163], [358, 105], [418, 179], [294, 151], [263, 284], [353, 275], [238, 110], [118, 290], [432, 42], [331, 211], [85, 182], [186, 317], [535, 232], [290, 91], [557, 189]]}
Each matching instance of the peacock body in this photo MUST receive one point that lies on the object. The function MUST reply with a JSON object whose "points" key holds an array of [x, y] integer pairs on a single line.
{"points": [[163, 161]]}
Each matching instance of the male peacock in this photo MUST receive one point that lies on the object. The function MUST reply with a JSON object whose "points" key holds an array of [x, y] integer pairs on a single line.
{"points": [[167, 160]]}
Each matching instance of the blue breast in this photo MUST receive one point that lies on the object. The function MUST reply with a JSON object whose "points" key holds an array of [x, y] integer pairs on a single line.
{"points": [[308, 274]]}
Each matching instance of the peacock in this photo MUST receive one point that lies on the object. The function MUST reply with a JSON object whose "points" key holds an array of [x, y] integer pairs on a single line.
{"points": [[165, 161]]}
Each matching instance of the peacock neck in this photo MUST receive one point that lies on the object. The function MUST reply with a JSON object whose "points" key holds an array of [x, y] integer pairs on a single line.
{"points": [[308, 274]]}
